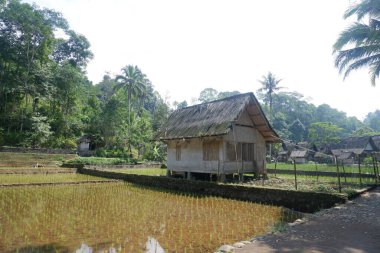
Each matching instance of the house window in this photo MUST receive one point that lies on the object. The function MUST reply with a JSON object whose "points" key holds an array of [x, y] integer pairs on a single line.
{"points": [[244, 151], [178, 152], [247, 152], [210, 151]]}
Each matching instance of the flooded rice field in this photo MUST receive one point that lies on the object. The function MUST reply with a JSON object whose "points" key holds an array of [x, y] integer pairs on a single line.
{"points": [[122, 217]]}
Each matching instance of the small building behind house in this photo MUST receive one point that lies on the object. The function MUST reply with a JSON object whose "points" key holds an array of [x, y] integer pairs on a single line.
{"points": [[222, 137], [284, 152], [345, 157], [87, 145], [299, 156]]}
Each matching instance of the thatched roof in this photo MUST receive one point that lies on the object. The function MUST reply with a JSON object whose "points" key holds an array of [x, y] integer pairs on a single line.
{"points": [[376, 141], [358, 145], [346, 155], [299, 154], [84, 139], [216, 118]]}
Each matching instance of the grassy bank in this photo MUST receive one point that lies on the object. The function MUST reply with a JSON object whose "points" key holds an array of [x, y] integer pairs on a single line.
{"points": [[321, 167], [145, 172]]}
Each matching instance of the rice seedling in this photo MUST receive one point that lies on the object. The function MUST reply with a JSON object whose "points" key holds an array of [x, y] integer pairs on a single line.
{"points": [[121, 217], [6, 179]]}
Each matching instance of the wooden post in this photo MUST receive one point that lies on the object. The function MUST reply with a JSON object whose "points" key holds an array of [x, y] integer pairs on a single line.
{"points": [[360, 172], [344, 173], [275, 167], [316, 170], [374, 169], [218, 175], [241, 174], [295, 173], [377, 170], [337, 171]]}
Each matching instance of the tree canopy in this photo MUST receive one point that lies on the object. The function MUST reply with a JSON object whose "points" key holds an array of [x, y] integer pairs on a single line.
{"points": [[358, 45]]}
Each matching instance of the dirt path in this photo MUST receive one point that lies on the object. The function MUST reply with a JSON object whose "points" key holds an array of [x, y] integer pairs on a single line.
{"points": [[350, 228]]}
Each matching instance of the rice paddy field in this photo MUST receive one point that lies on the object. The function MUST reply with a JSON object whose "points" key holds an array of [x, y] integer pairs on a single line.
{"points": [[10, 179], [11, 160], [122, 217]]}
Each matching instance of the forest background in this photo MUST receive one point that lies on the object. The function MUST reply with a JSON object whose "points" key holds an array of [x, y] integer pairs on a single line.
{"points": [[46, 99]]}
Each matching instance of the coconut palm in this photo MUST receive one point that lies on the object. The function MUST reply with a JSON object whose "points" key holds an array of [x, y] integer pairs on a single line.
{"points": [[269, 87], [133, 82], [359, 45]]}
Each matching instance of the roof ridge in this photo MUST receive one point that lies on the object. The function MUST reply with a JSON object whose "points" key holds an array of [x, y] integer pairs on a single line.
{"points": [[217, 100]]}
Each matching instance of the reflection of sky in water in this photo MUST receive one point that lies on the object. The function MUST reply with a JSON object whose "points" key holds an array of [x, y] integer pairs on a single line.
{"points": [[84, 249], [152, 246]]}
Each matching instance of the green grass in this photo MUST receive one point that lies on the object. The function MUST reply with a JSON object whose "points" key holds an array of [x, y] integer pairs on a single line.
{"points": [[145, 172], [97, 161], [321, 167], [15, 160], [45, 178], [310, 183]]}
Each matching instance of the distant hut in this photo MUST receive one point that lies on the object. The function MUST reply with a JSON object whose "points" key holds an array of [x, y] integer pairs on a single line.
{"points": [[283, 156], [299, 156], [87, 144], [221, 137], [284, 152], [360, 146], [344, 156]]}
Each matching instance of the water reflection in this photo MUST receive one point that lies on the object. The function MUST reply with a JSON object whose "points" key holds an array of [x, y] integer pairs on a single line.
{"points": [[152, 246]]}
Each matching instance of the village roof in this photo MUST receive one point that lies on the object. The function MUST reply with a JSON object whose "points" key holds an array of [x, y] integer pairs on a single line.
{"points": [[376, 141], [284, 152], [346, 155], [216, 118], [84, 138], [358, 145], [298, 154]]}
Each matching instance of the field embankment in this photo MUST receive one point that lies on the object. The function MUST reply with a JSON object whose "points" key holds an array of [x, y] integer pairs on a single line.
{"points": [[297, 200]]}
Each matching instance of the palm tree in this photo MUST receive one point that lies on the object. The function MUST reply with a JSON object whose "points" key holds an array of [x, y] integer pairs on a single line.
{"points": [[269, 87], [133, 82], [359, 45]]}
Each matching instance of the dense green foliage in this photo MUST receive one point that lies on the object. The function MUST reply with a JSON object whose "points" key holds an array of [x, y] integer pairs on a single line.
{"points": [[46, 99]]}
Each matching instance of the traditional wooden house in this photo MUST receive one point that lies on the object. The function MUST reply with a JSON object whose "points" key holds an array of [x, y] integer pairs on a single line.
{"points": [[87, 145], [344, 156], [221, 137], [360, 146], [300, 152], [285, 151]]}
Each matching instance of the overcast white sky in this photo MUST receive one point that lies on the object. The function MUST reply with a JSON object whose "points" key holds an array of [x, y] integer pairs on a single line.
{"points": [[186, 46]]}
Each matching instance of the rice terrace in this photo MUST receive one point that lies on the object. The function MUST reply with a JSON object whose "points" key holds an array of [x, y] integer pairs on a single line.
{"points": [[119, 216], [248, 135]]}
